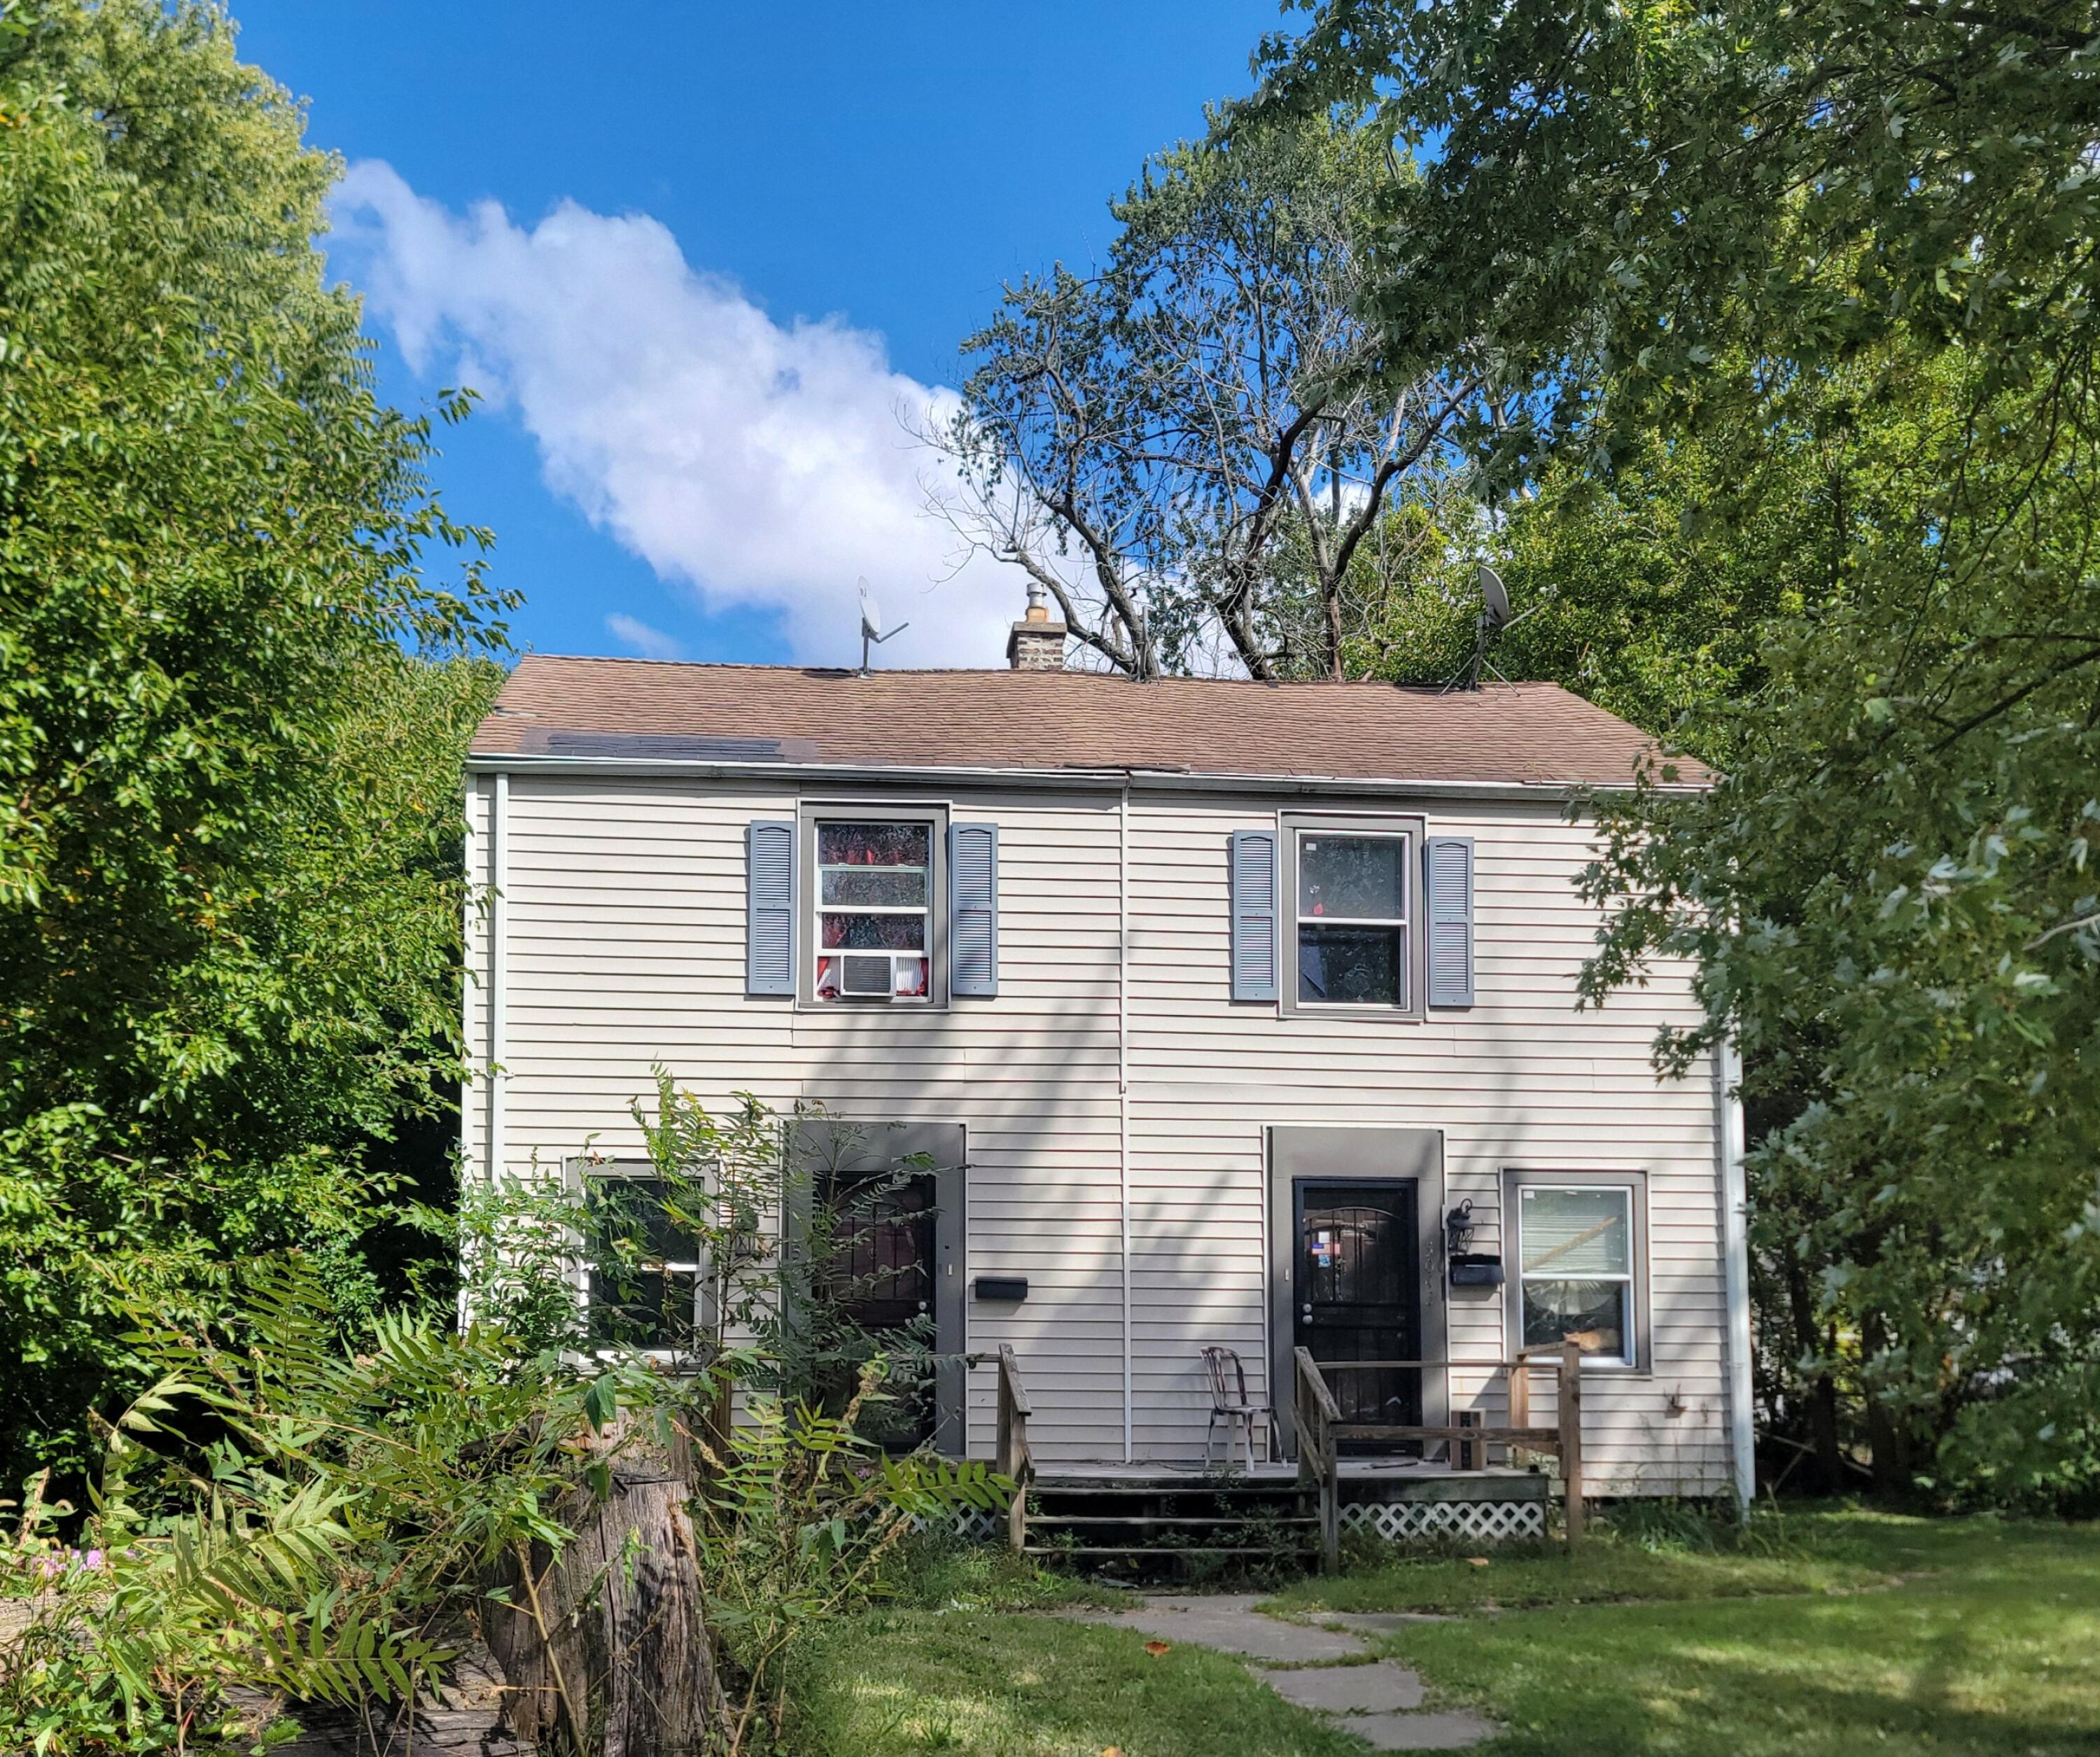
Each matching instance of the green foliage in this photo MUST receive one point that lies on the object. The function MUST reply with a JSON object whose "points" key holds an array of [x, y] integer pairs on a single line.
{"points": [[229, 903], [1892, 927], [937, 1570], [769, 1205], [1621, 198], [276, 1514], [800, 1515], [279, 1513], [1653, 590], [138, 1640], [799, 1521]]}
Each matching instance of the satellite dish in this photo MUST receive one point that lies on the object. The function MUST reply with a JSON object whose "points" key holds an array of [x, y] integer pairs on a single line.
{"points": [[871, 622], [1494, 618], [1494, 592]]}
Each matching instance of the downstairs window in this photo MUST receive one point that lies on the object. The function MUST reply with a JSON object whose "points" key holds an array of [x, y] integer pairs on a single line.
{"points": [[1576, 1253]]}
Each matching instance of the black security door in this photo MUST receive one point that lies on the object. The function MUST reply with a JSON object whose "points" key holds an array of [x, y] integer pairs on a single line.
{"points": [[882, 1213], [881, 1275], [1358, 1297]]}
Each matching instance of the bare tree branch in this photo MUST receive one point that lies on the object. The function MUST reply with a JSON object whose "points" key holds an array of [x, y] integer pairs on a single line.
{"points": [[1193, 443]]}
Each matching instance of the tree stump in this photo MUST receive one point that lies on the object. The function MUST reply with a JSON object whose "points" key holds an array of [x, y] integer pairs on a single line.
{"points": [[606, 1646]]}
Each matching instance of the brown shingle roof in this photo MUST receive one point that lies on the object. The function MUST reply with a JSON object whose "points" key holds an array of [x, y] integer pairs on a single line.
{"points": [[1536, 734]]}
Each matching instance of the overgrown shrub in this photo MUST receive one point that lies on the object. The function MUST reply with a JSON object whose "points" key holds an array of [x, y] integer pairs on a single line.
{"points": [[277, 1514], [801, 1520], [328, 1519]]}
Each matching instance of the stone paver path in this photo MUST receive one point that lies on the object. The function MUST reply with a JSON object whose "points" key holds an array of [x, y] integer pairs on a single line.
{"points": [[1379, 1701]]}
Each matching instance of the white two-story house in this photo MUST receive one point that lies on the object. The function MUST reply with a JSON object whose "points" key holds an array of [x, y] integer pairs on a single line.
{"points": [[1218, 1004]]}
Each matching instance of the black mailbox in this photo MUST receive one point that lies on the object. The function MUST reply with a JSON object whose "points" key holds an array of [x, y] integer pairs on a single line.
{"points": [[1473, 1269], [1002, 1286]]}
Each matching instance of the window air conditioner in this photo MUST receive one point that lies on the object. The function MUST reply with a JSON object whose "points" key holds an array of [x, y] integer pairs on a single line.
{"points": [[865, 976]]}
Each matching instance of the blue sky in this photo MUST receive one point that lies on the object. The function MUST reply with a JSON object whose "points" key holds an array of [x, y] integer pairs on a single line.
{"points": [[705, 262]]}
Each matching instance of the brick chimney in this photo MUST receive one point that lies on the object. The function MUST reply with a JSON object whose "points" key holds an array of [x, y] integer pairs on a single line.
{"points": [[1037, 643]]}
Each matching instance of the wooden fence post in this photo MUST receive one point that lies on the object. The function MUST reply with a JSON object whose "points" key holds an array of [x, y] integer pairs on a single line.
{"points": [[1571, 1437]]}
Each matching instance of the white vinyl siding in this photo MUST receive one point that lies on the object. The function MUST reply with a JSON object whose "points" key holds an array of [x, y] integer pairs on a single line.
{"points": [[626, 949]]}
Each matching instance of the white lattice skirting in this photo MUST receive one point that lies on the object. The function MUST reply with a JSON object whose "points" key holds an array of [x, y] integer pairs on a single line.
{"points": [[1483, 1521], [969, 1524]]}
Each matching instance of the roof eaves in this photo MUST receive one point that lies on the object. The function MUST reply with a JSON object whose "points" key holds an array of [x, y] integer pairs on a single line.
{"points": [[490, 763]]}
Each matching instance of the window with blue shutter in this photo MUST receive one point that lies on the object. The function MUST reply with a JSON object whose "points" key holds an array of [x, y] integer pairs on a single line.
{"points": [[973, 909], [768, 948], [1253, 878], [1449, 882]]}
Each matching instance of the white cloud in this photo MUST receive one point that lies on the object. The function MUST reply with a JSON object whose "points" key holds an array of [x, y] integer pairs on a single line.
{"points": [[762, 465], [651, 644]]}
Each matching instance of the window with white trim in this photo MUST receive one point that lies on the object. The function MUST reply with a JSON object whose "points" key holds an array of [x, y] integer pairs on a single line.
{"points": [[1353, 918], [873, 898], [1575, 1245], [642, 1287]]}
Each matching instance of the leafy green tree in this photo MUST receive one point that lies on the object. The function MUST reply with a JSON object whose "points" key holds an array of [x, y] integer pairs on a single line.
{"points": [[1675, 227], [1616, 195], [229, 901], [1653, 588]]}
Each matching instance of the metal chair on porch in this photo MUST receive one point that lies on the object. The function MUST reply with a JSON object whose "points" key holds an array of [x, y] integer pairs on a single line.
{"points": [[1229, 1403]]}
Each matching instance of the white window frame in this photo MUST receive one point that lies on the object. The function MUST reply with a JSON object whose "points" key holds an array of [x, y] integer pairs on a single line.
{"points": [[1409, 831], [934, 819], [1632, 1357], [637, 1171]]}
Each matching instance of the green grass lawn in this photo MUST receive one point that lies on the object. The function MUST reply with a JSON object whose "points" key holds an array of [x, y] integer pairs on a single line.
{"points": [[1875, 1634], [989, 1684], [1817, 1635], [968, 1662]]}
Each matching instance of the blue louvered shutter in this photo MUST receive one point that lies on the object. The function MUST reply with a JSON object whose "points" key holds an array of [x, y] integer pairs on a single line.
{"points": [[1448, 867], [1254, 914], [768, 945], [973, 909]]}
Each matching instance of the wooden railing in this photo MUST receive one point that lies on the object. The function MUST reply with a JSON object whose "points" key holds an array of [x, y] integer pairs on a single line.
{"points": [[1321, 1432], [1317, 1418], [1014, 1459]]}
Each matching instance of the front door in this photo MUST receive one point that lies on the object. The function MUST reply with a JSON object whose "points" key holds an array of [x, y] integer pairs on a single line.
{"points": [[894, 1196], [882, 1273], [1357, 1295]]}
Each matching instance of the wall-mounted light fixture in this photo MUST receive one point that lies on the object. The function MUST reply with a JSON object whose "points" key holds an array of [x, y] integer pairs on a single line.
{"points": [[1467, 1267]]}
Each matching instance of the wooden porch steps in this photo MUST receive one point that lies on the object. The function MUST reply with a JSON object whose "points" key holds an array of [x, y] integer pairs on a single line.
{"points": [[1166, 1525]]}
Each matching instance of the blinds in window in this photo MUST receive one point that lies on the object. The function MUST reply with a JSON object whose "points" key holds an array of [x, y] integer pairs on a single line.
{"points": [[768, 951], [1576, 1233], [973, 909], [1449, 860], [1253, 879]]}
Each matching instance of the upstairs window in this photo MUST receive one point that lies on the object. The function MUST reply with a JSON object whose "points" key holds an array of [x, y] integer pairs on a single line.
{"points": [[1352, 937], [874, 899]]}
